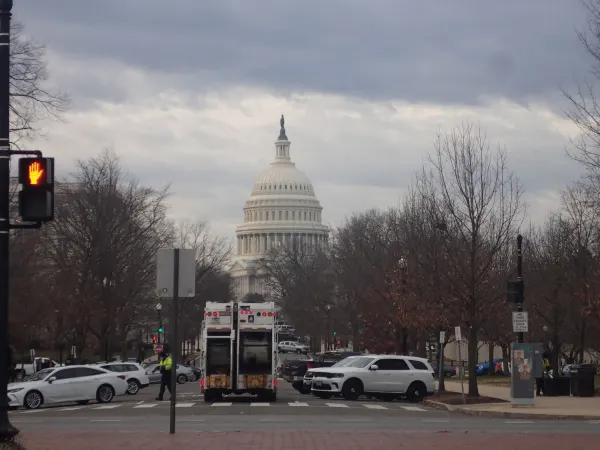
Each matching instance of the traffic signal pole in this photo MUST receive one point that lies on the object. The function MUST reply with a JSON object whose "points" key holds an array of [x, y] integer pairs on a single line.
{"points": [[7, 431]]}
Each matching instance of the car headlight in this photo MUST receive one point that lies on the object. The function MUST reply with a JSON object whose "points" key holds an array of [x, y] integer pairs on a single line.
{"points": [[12, 391], [337, 375]]}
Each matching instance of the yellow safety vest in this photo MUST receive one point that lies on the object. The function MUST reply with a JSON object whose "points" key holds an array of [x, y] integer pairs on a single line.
{"points": [[166, 363]]}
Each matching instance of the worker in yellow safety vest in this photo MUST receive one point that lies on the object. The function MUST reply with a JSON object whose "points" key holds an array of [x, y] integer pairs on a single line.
{"points": [[166, 366]]}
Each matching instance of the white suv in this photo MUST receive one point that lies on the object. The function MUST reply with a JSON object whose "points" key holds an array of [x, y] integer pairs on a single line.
{"points": [[380, 376], [292, 347], [135, 375]]}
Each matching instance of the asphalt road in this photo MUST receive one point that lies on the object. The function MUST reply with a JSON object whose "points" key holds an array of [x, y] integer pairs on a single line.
{"points": [[291, 412]]}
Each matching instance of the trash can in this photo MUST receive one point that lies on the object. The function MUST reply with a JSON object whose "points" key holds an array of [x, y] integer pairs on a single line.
{"points": [[583, 380]]}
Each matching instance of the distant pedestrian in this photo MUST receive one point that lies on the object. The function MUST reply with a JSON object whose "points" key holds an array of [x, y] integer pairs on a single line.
{"points": [[166, 366]]}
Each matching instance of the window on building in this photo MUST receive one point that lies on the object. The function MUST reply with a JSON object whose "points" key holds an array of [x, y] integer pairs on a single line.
{"points": [[293, 215], [287, 215], [279, 215]]}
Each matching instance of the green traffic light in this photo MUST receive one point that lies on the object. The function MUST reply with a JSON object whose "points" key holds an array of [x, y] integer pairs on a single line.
{"points": [[334, 333], [160, 330]]}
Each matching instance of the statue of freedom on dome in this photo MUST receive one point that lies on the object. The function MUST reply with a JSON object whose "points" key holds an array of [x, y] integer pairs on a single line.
{"points": [[282, 135]]}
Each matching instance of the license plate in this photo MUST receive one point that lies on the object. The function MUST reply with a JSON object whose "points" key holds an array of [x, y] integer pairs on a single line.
{"points": [[317, 383], [298, 378]]}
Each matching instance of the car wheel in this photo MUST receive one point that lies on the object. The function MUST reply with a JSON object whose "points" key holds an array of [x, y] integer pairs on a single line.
{"points": [[105, 394], [298, 351], [33, 400], [416, 392], [134, 387], [352, 389], [182, 379]]}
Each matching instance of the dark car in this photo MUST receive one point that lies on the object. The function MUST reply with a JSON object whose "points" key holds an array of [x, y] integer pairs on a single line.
{"points": [[449, 371]]}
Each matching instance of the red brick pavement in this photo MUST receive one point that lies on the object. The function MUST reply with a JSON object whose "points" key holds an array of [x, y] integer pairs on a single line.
{"points": [[295, 440]]}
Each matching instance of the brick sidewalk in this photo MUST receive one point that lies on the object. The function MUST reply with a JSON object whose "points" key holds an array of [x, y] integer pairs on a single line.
{"points": [[261, 440]]}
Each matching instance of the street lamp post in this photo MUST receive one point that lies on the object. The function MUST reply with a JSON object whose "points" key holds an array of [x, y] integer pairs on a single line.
{"points": [[404, 332], [7, 431], [328, 309], [106, 284], [158, 308]]}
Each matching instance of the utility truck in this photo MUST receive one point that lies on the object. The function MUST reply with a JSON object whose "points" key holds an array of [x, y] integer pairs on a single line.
{"points": [[240, 350]]}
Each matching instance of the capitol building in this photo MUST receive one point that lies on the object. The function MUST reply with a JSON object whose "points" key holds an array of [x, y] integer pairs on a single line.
{"points": [[281, 210]]}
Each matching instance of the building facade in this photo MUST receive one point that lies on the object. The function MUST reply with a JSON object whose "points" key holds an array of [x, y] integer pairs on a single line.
{"points": [[282, 210]]}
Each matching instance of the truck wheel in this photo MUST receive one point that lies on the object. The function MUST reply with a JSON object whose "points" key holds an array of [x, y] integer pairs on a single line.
{"points": [[208, 396], [272, 397]]}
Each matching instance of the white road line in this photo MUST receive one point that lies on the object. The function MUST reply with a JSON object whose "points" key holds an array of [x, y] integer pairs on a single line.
{"points": [[146, 405], [31, 411], [139, 403], [105, 420], [298, 404], [596, 422], [519, 422], [337, 405], [413, 408], [369, 406], [74, 408], [435, 421], [260, 404], [108, 407], [221, 404], [184, 405], [191, 420]]}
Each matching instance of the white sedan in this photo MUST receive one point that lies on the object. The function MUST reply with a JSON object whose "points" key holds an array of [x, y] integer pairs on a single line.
{"points": [[78, 384]]}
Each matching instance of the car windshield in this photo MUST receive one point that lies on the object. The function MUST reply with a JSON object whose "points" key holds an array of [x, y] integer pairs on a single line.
{"points": [[359, 362], [38, 376], [344, 362]]}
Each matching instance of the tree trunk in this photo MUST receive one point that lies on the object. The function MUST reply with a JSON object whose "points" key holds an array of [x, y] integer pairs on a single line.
{"points": [[505, 358], [472, 362], [492, 370]]}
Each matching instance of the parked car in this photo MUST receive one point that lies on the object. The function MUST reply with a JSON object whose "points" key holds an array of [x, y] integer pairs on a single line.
{"points": [[449, 371], [78, 384], [184, 374], [380, 376], [135, 375], [292, 347]]}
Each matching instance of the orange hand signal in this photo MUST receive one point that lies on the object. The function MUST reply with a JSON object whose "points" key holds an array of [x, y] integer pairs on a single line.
{"points": [[35, 173]]}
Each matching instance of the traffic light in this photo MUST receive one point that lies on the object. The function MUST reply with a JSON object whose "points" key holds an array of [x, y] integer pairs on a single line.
{"points": [[36, 198], [154, 340], [160, 328], [334, 333]]}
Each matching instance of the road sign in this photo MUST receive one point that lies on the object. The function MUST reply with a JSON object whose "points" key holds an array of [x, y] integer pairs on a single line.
{"points": [[442, 336], [165, 272], [158, 348], [520, 321], [457, 334]]}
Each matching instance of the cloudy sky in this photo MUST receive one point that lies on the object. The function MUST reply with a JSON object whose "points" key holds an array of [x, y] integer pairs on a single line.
{"points": [[190, 92]]}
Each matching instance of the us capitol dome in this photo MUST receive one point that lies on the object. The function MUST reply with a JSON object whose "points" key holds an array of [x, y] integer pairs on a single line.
{"points": [[282, 210]]}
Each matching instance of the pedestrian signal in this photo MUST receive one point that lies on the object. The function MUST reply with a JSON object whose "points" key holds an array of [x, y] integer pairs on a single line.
{"points": [[36, 198]]}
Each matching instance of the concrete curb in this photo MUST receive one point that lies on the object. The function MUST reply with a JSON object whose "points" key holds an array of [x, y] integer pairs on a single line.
{"points": [[506, 414]]}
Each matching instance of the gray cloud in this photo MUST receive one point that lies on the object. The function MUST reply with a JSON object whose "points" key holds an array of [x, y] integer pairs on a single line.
{"points": [[437, 50]]}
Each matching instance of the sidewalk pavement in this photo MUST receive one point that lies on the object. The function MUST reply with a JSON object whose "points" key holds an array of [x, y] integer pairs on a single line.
{"points": [[299, 440], [565, 408]]}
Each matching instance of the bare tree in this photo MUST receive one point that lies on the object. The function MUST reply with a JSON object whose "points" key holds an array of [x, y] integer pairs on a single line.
{"points": [[30, 100], [102, 245], [473, 192]]}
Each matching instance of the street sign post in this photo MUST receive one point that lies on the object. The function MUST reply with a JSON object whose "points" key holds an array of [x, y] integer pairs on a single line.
{"points": [[158, 348], [457, 334], [175, 277], [520, 320], [442, 337]]}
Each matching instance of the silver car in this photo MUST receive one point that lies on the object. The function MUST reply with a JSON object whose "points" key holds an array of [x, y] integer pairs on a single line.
{"points": [[184, 374]]}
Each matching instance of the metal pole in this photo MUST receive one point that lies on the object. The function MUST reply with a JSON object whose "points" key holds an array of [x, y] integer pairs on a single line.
{"points": [[7, 431], [158, 332], [175, 343], [520, 337]]}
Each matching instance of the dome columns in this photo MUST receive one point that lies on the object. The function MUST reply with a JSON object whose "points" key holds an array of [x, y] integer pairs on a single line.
{"points": [[260, 243]]}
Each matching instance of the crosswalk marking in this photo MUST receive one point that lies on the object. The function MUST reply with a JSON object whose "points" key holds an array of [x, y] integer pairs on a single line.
{"points": [[369, 406], [222, 404], [260, 404], [146, 405], [74, 408], [184, 405], [412, 408], [107, 407], [337, 405], [298, 404]]}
